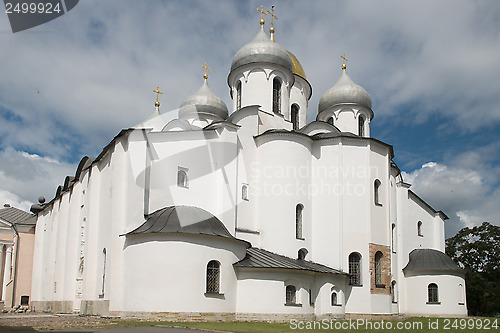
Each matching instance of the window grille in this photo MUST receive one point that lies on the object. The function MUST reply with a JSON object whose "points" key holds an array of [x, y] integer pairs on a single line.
{"points": [[419, 228], [376, 195], [244, 192], [213, 277], [298, 221], [238, 95], [432, 291], [361, 126], [295, 117], [182, 178], [378, 268], [354, 269], [276, 95], [393, 292], [291, 295]]}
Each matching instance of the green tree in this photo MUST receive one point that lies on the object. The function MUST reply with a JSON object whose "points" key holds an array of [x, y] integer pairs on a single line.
{"points": [[477, 250]]}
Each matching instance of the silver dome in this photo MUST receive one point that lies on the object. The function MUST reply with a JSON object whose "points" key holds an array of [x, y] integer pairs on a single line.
{"points": [[262, 49], [345, 91], [203, 101]]}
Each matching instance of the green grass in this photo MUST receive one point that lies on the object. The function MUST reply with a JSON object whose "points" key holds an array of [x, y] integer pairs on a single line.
{"points": [[421, 325]]}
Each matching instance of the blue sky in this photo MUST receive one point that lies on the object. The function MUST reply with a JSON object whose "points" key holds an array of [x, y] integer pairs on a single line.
{"points": [[432, 69]]}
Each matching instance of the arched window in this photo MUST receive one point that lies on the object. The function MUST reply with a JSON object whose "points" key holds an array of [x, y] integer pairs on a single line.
{"points": [[461, 292], [276, 95], [298, 221], [376, 194], [330, 120], [182, 178], [432, 292], [213, 277], [301, 255], [419, 229], [378, 269], [295, 116], [290, 295], [238, 95], [361, 126], [393, 239], [334, 298], [355, 269], [393, 292], [244, 192]]}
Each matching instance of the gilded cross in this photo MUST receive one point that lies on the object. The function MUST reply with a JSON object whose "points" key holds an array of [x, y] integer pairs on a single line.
{"points": [[262, 13], [158, 92], [344, 59], [273, 17], [205, 76]]}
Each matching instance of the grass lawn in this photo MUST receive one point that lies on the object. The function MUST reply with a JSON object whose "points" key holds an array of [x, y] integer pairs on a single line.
{"points": [[421, 325]]}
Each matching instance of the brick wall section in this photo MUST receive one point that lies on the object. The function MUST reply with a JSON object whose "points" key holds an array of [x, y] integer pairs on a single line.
{"points": [[386, 269]]}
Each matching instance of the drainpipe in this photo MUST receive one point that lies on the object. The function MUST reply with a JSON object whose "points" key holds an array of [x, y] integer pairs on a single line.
{"points": [[14, 269]]}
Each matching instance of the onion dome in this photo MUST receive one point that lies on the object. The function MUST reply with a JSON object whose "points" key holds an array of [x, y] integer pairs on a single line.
{"points": [[345, 91], [204, 101], [262, 49], [297, 67]]}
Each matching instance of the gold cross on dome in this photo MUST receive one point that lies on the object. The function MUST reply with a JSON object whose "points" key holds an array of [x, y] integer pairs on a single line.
{"points": [[344, 59], [205, 76], [158, 92], [273, 17], [262, 13]]}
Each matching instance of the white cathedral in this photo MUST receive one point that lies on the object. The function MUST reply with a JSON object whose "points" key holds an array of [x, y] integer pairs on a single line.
{"points": [[249, 215]]}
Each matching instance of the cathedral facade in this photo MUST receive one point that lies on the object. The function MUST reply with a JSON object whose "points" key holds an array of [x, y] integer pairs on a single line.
{"points": [[250, 214]]}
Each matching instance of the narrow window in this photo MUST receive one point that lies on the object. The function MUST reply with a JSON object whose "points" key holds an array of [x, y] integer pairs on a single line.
{"points": [[276, 95], [461, 291], [334, 298], [330, 120], [393, 239], [182, 178], [213, 277], [295, 117], [419, 228], [103, 272], [244, 192], [25, 300], [302, 254], [298, 221], [361, 126], [238, 95], [378, 269], [376, 194], [432, 292], [355, 269], [393, 292], [290, 295], [311, 299]]}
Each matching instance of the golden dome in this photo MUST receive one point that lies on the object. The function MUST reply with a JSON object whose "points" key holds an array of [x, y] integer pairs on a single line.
{"points": [[297, 67]]}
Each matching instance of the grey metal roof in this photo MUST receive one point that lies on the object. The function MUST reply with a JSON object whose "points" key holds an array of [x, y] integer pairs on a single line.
{"points": [[259, 258], [262, 49], [16, 216], [204, 101], [344, 91], [182, 219], [430, 260]]}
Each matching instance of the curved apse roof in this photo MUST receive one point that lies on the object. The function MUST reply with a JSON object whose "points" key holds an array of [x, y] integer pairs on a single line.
{"points": [[430, 260], [182, 219]]}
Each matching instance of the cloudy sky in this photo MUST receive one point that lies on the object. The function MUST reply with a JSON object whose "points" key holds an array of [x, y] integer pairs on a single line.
{"points": [[432, 68]]}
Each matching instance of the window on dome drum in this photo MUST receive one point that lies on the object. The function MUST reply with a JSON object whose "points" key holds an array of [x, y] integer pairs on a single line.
{"points": [[432, 294], [419, 229], [376, 192], [182, 178], [244, 192], [238, 95], [334, 299], [355, 269], [290, 295], [213, 277], [393, 239], [393, 292], [295, 117], [301, 255], [361, 126], [276, 95], [298, 221], [330, 120], [378, 270]]}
